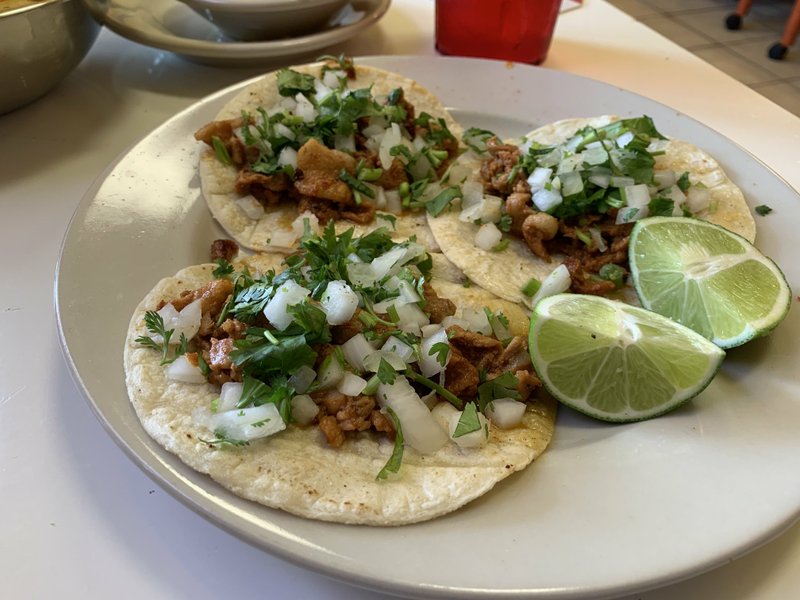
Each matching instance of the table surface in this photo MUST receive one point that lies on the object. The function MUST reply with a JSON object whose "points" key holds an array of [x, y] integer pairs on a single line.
{"points": [[79, 519]]}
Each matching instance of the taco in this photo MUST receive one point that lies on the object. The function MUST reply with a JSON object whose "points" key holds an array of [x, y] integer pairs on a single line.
{"points": [[568, 194], [339, 383], [330, 141]]}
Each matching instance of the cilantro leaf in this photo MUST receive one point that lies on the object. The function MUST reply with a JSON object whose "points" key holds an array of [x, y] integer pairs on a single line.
{"points": [[396, 459], [661, 207], [440, 350], [468, 422], [224, 268], [763, 210], [155, 325], [222, 440], [291, 82], [386, 373], [503, 386], [442, 200]]}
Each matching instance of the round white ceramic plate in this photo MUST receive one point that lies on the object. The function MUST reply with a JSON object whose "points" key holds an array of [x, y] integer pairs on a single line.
{"points": [[608, 509], [171, 25]]}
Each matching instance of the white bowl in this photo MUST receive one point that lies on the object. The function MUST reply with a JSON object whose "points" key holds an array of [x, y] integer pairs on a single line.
{"points": [[266, 19]]}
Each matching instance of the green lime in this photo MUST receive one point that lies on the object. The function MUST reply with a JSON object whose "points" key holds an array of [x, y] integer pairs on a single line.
{"points": [[617, 362], [707, 278]]}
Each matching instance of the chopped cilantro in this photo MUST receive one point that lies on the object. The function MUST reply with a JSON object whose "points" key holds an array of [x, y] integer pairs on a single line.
{"points": [[155, 325], [440, 350], [220, 150], [442, 200], [763, 210], [224, 268], [503, 386], [396, 459], [386, 373], [468, 422], [661, 207], [291, 82]]}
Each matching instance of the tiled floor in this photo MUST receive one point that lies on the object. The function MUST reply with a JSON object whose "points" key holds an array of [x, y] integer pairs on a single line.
{"points": [[699, 26]]}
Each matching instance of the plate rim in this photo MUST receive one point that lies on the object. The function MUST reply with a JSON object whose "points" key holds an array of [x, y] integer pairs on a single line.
{"points": [[306, 560]]}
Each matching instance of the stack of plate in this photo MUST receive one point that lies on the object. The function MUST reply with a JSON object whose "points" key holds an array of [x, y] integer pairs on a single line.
{"points": [[238, 32]]}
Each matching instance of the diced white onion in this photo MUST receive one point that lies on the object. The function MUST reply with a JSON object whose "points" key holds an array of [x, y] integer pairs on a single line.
{"points": [[251, 207], [420, 429], [488, 236], [478, 321], [351, 385], [556, 282], [505, 412], [332, 78], [411, 318], [598, 240], [665, 178], [392, 261], [361, 274], [472, 193], [487, 210], [249, 423], [552, 158], [186, 322], [569, 163], [304, 109], [546, 199], [288, 104], [397, 346], [474, 439], [394, 204], [657, 146], [539, 177], [330, 372], [443, 412], [430, 365], [697, 199], [322, 91], [636, 197], [429, 330], [372, 361], [391, 138], [625, 139], [182, 370], [288, 157], [304, 409], [284, 131], [571, 183], [302, 379], [229, 395], [421, 168], [596, 155], [339, 302], [622, 182], [600, 180], [355, 350], [288, 294]]}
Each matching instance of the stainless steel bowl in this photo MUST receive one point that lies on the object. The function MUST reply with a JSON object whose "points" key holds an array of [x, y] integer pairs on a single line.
{"points": [[39, 45]]}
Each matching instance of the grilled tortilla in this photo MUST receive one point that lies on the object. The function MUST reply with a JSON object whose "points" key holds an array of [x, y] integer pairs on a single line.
{"points": [[506, 272], [272, 230], [296, 470]]}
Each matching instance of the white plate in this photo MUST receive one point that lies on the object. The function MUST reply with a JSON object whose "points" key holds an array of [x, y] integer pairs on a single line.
{"points": [[171, 25], [608, 509]]}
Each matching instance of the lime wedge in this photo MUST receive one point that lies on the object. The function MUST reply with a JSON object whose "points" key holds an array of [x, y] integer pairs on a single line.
{"points": [[707, 278], [617, 362]]}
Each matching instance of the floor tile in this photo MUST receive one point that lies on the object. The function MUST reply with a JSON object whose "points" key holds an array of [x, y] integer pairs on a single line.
{"points": [[735, 65], [756, 52], [676, 31], [784, 93], [712, 24], [672, 6], [635, 8]]}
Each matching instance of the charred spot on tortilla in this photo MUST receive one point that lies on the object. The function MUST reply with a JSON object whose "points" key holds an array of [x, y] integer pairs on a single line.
{"points": [[330, 141], [347, 367], [568, 193]]}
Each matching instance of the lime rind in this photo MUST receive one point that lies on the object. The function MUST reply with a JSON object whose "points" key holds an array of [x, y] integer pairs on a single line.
{"points": [[707, 278], [650, 365]]}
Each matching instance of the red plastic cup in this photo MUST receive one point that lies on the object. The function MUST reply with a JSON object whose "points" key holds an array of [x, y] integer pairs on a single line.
{"points": [[516, 30]]}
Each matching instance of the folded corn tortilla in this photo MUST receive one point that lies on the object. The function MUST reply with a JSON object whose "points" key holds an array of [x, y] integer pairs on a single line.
{"points": [[506, 272], [296, 470], [217, 179]]}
